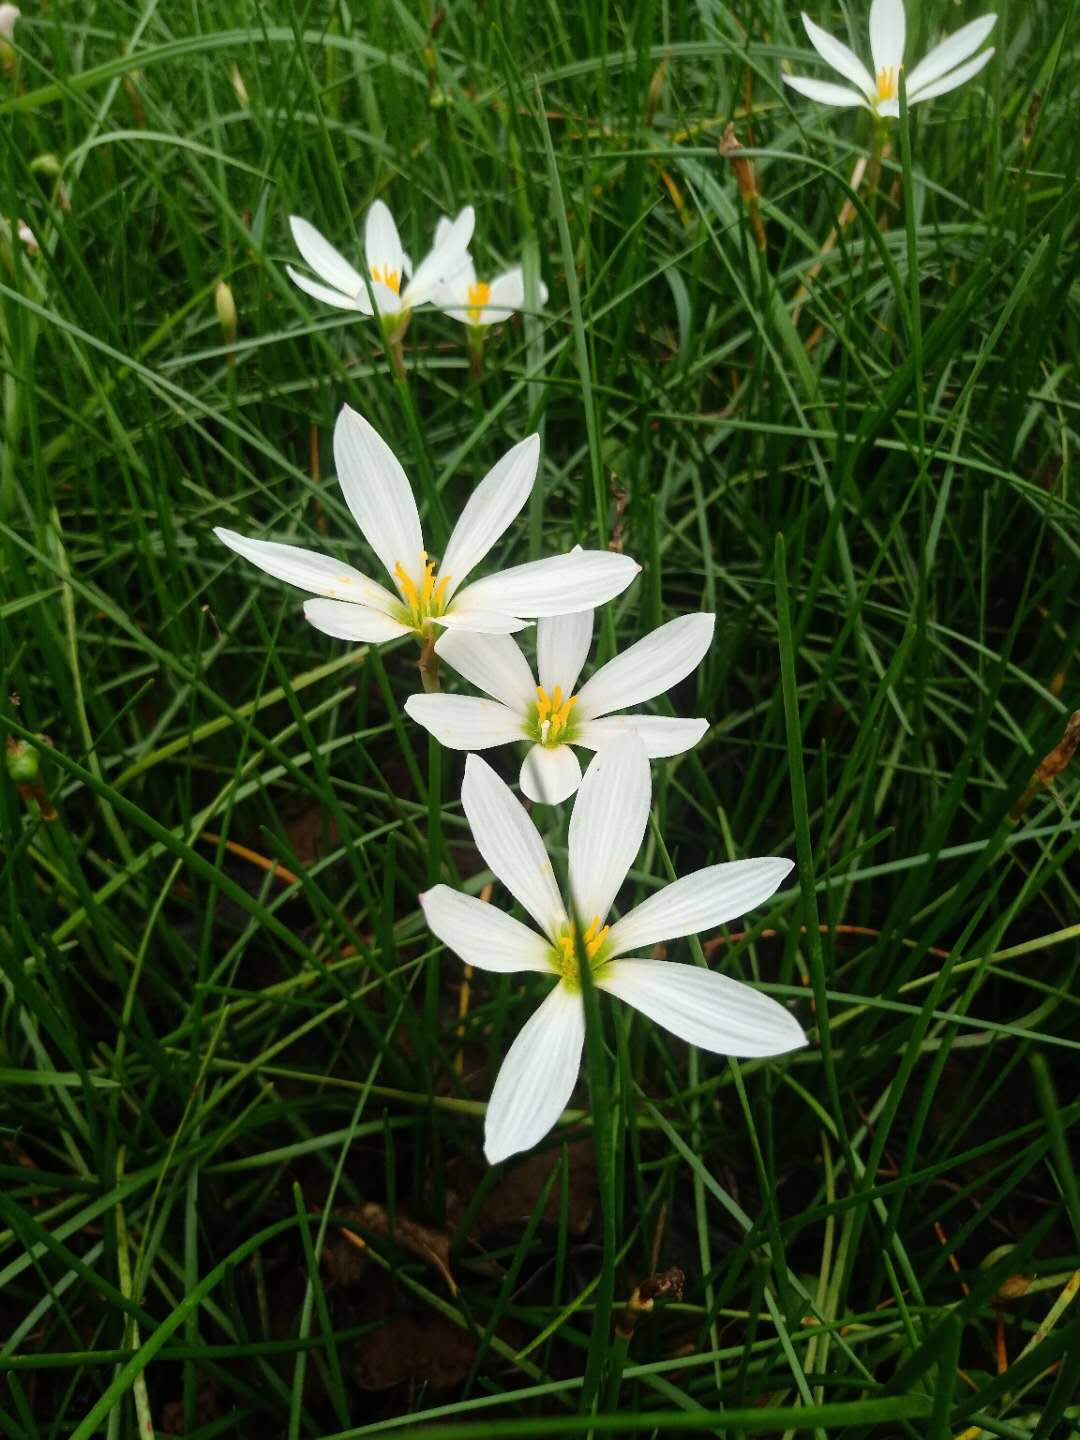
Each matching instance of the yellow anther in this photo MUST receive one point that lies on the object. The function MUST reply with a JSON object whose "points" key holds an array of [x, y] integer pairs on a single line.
{"points": [[390, 278], [553, 713], [566, 948], [426, 599], [479, 295], [888, 82], [408, 587]]}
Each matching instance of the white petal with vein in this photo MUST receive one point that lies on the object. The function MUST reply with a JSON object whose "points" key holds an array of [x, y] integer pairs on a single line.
{"points": [[465, 722], [510, 845], [709, 1010], [951, 52], [329, 297], [698, 902], [329, 264], [662, 735], [887, 34], [549, 774], [562, 647], [955, 78], [654, 664], [493, 505], [482, 936], [537, 1077], [843, 60], [824, 92], [353, 622], [493, 663], [559, 585], [607, 826], [382, 244], [308, 570], [378, 493]]}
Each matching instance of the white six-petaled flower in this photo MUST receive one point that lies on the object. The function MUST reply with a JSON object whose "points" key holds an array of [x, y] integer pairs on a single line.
{"points": [[395, 286], [555, 715], [427, 596], [607, 825], [479, 303], [944, 68]]}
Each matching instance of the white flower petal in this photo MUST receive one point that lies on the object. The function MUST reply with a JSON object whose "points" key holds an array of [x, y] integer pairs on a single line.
{"points": [[329, 264], [482, 936], [353, 622], [510, 845], [506, 295], [537, 1077], [559, 585], [360, 303], [508, 290], [382, 244], [482, 622], [952, 51], [823, 92], [492, 506], [703, 1008], [466, 722], [698, 902], [887, 35], [387, 301], [562, 645], [549, 774], [607, 825], [443, 261], [654, 664], [493, 664], [661, 735], [955, 78], [843, 60], [310, 571], [378, 493]]}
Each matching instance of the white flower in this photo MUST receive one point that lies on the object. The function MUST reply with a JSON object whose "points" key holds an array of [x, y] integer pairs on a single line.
{"points": [[943, 69], [9, 14], [396, 287], [479, 303], [553, 715], [377, 492], [606, 829]]}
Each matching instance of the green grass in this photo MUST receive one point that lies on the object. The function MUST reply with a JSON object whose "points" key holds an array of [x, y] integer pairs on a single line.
{"points": [[857, 450]]}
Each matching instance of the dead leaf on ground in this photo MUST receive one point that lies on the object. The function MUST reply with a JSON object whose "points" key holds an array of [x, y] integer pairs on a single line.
{"points": [[431, 1246], [515, 1197], [433, 1352]]}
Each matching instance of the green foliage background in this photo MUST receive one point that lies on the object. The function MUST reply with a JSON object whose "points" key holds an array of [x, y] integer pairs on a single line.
{"points": [[855, 446]]}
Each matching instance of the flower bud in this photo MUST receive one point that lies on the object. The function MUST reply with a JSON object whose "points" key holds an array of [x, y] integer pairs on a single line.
{"points": [[225, 306], [8, 15], [239, 88], [23, 761]]}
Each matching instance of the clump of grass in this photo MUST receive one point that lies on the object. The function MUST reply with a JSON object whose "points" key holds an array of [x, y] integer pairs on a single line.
{"points": [[228, 1043]]}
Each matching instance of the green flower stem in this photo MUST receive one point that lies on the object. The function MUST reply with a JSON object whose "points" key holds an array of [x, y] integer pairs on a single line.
{"points": [[428, 665]]}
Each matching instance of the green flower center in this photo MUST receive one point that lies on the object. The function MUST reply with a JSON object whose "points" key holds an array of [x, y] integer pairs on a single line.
{"points": [[550, 723], [566, 950], [424, 600]]}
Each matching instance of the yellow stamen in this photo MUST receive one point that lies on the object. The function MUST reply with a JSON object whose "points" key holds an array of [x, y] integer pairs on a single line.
{"points": [[888, 82], [408, 587], [426, 599], [566, 948], [390, 278], [553, 713], [479, 295]]}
